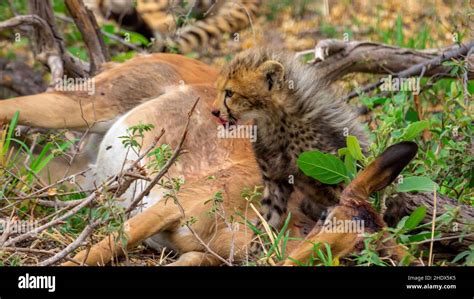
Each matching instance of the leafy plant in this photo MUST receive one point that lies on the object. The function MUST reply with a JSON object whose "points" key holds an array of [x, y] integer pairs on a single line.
{"points": [[422, 184], [326, 168], [135, 135], [6, 139], [160, 156], [467, 256]]}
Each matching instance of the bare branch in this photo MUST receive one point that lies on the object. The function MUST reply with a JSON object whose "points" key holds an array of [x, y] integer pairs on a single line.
{"points": [[37, 251], [73, 246], [117, 184], [87, 25], [424, 68], [50, 53], [336, 58]]}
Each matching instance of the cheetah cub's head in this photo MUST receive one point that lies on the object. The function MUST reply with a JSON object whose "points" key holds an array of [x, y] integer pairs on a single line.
{"points": [[249, 87]]}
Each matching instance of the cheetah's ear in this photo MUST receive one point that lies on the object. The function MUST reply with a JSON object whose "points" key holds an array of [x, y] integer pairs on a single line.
{"points": [[382, 171], [273, 73]]}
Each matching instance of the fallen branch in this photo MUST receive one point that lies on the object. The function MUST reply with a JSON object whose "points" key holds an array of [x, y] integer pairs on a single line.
{"points": [[424, 69], [87, 25], [48, 45], [335, 59], [52, 223], [107, 34], [49, 53], [37, 251], [73, 66], [73, 246], [402, 204]]}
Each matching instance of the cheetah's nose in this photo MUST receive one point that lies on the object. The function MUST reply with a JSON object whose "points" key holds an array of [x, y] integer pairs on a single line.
{"points": [[216, 112]]}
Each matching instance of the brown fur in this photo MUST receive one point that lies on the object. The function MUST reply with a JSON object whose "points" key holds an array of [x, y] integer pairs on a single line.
{"points": [[158, 19], [229, 160], [117, 90], [354, 206]]}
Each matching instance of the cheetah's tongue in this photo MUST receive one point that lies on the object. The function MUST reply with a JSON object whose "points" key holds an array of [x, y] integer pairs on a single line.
{"points": [[226, 123], [222, 121]]}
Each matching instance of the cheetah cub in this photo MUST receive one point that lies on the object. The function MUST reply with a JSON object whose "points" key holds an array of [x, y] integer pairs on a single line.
{"points": [[293, 112]]}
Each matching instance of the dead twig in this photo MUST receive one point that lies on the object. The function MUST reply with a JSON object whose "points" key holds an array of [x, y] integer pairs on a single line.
{"points": [[128, 172], [52, 223], [433, 225], [74, 245], [107, 34], [87, 25], [6, 232], [51, 53], [121, 185], [73, 66], [37, 251]]}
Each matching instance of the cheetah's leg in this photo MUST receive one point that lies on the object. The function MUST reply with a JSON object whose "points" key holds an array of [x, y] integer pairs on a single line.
{"points": [[274, 206], [275, 201], [312, 209]]}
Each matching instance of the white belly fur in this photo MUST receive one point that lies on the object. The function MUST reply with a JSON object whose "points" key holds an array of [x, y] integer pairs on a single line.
{"points": [[110, 161]]}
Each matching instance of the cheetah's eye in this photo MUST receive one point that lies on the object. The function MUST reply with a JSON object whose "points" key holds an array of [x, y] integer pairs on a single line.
{"points": [[228, 93]]}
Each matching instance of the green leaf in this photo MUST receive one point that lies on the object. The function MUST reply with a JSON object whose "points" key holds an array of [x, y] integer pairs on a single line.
{"points": [[401, 223], [124, 56], [415, 218], [342, 151], [11, 130], [411, 115], [354, 147], [421, 184], [351, 166], [414, 129], [423, 236], [460, 256], [109, 28], [326, 168], [135, 38], [79, 52]]}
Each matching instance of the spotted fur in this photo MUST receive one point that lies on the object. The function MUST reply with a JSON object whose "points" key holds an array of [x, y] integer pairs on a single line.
{"points": [[294, 112], [158, 19]]}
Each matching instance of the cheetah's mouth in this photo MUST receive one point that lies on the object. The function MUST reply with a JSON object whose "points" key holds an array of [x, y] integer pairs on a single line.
{"points": [[232, 120], [227, 123]]}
